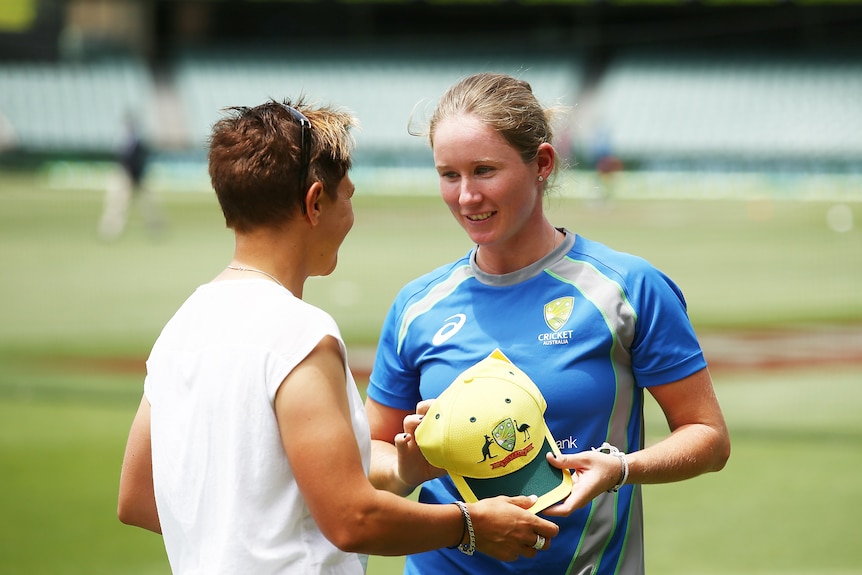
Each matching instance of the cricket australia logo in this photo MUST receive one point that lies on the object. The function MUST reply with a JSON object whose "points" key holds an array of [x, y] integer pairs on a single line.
{"points": [[505, 435], [557, 313]]}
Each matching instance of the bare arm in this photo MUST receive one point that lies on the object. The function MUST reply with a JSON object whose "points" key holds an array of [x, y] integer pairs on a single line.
{"points": [[137, 499], [698, 443], [397, 464], [314, 420]]}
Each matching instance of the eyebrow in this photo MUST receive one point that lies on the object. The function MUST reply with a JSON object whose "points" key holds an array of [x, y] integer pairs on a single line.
{"points": [[474, 162]]}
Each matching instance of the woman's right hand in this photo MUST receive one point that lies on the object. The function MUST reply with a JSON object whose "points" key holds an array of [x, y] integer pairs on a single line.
{"points": [[413, 468], [505, 529]]}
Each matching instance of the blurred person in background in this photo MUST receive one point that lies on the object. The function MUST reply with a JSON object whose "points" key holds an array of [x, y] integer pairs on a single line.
{"points": [[127, 187], [591, 326], [8, 137], [250, 451], [607, 164]]}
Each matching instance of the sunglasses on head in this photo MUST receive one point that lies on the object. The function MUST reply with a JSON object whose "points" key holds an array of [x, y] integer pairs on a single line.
{"points": [[305, 147]]}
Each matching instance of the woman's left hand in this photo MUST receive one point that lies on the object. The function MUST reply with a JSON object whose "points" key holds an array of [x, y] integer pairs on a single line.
{"points": [[593, 473]]}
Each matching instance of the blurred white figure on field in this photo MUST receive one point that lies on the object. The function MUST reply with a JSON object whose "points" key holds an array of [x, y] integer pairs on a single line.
{"points": [[127, 186], [8, 138], [607, 163]]}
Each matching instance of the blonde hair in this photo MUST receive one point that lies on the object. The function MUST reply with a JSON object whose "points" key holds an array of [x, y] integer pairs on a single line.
{"points": [[503, 102]]}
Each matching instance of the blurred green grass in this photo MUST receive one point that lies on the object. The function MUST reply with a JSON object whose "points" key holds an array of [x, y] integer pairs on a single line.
{"points": [[786, 503], [79, 317], [741, 264]]}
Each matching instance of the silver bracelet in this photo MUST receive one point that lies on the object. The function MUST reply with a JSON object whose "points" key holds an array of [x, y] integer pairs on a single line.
{"points": [[624, 464], [467, 548]]}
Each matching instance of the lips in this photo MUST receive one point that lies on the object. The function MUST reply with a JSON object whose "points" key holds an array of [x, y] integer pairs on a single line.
{"points": [[480, 217]]}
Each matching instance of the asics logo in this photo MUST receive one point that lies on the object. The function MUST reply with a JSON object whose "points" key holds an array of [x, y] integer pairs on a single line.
{"points": [[451, 327]]}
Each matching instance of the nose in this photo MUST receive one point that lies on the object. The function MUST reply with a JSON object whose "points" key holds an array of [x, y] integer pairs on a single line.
{"points": [[468, 194]]}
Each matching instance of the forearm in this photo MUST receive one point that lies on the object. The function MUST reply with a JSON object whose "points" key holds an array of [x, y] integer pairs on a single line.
{"points": [[380, 523], [383, 473], [384, 524], [698, 443], [687, 452]]}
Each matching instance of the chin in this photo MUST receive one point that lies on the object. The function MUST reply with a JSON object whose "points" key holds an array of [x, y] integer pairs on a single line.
{"points": [[331, 268], [478, 238]]}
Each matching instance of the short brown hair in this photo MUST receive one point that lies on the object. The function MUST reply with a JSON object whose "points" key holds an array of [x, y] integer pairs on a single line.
{"points": [[254, 159]]}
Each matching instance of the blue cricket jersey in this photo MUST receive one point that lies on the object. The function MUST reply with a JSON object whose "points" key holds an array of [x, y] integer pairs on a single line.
{"points": [[591, 327]]}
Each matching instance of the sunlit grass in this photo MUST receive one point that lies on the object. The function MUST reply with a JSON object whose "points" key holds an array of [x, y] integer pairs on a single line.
{"points": [[79, 317]]}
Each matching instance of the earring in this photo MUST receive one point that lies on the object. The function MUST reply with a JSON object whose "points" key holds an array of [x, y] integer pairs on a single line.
{"points": [[541, 179]]}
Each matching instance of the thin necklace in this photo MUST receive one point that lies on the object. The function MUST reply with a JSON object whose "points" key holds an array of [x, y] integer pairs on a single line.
{"points": [[245, 269]]}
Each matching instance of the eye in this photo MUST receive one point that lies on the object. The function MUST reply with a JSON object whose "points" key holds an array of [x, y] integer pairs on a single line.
{"points": [[483, 170], [472, 420], [508, 400]]}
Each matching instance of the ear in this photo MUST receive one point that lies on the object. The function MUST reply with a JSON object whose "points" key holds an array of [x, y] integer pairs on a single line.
{"points": [[545, 159], [313, 198]]}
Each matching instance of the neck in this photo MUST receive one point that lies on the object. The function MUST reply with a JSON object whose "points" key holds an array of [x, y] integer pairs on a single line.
{"points": [[240, 267], [269, 253], [517, 253]]}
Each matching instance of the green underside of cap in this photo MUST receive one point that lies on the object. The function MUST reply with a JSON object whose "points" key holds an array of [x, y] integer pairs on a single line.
{"points": [[536, 478]]}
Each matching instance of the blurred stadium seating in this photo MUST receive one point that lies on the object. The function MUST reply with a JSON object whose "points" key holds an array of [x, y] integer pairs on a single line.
{"points": [[72, 107], [751, 108], [657, 108], [660, 96], [385, 91]]}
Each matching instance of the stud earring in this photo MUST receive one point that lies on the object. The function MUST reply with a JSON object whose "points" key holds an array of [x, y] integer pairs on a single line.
{"points": [[541, 179]]}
